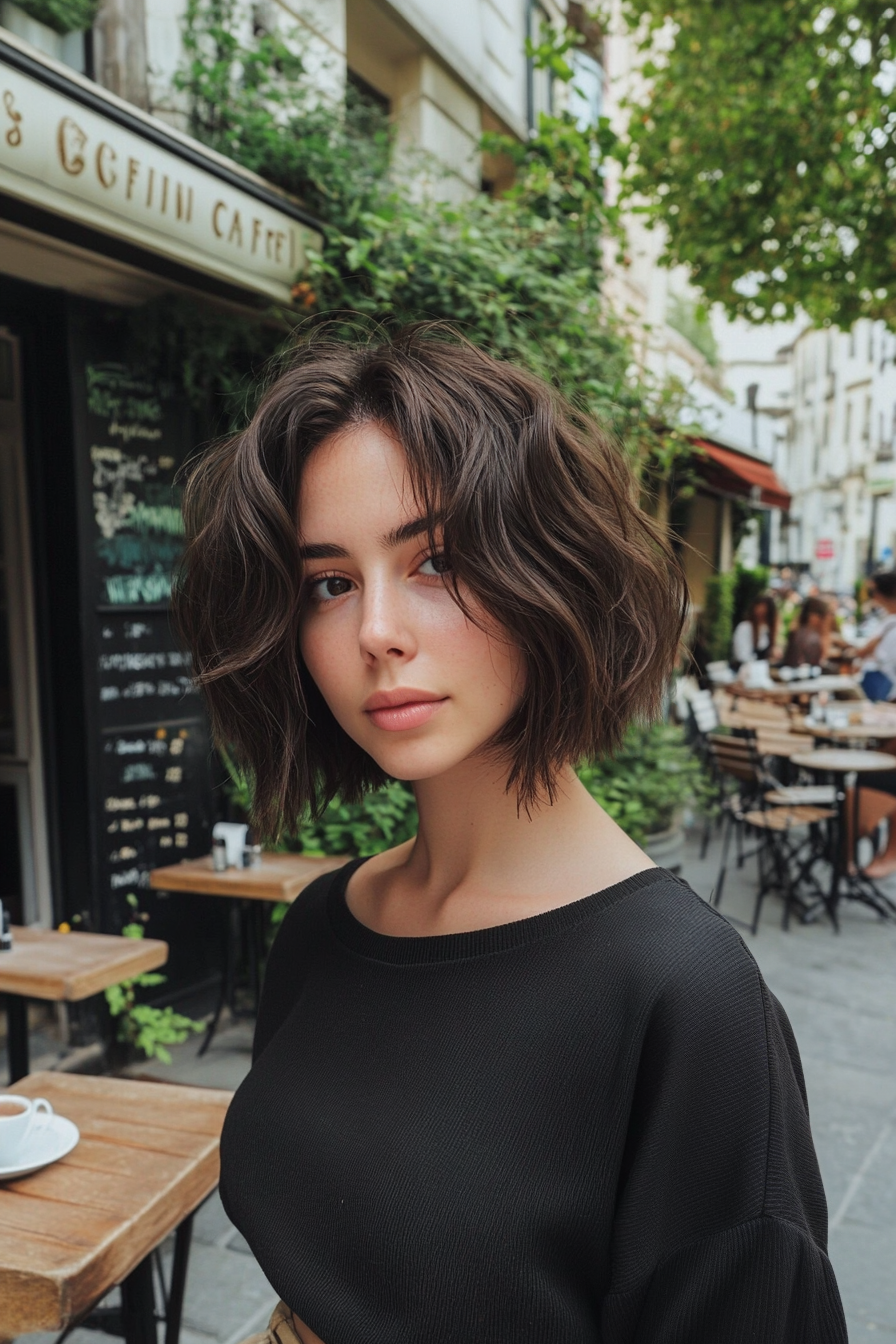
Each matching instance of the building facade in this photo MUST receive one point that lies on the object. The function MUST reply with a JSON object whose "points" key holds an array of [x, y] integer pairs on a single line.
{"points": [[840, 453], [106, 204]]}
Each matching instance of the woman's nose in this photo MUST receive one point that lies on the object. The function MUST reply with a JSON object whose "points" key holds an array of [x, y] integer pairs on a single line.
{"points": [[385, 631]]}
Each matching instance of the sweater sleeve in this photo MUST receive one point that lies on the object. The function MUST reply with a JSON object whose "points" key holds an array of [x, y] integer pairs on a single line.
{"points": [[720, 1225]]}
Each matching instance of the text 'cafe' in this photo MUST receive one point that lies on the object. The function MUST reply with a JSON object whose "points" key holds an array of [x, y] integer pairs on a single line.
{"points": [[105, 762]]}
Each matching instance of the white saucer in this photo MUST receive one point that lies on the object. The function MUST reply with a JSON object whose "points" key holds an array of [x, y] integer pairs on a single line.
{"points": [[56, 1139]]}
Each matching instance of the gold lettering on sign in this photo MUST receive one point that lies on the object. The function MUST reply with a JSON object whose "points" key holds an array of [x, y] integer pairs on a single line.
{"points": [[256, 233], [216, 225], [164, 193], [133, 169], [105, 157], [14, 133], [152, 178], [70, 141], [236, 230]]}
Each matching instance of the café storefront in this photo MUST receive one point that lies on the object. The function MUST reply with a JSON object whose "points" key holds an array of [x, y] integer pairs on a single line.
{"points": [[105, 759]]}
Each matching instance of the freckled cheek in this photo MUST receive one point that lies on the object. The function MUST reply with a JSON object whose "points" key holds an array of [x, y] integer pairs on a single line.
{"points": [[326, 652]]}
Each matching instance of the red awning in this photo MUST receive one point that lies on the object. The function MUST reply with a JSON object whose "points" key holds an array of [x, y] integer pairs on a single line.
{"points": [[737, 474]]}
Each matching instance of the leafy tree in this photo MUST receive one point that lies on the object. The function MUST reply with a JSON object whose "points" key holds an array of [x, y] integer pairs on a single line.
{"points": [[765, 143]]}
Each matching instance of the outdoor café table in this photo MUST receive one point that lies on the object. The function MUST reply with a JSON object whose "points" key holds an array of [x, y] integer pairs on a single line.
{"points": [[793, 690], [854, 733], [69, 1233], [64, 967], [281, 877], [844, 763]]}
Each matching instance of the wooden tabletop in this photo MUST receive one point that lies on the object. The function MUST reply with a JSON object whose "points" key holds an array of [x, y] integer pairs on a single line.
{"points": [[147, 1157], [784, 690], [44, 964], [843, 761], [851, 732], [280, 878]]}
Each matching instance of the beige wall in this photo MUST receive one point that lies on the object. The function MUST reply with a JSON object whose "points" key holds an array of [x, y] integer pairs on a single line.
{"points": [[701, 546]]}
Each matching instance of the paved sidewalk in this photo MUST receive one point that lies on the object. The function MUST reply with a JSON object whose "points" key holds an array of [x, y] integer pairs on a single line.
{"points": [[840, 994]]}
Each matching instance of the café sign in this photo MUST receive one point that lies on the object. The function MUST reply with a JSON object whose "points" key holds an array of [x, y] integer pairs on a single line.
{"points": [[80, 153]]}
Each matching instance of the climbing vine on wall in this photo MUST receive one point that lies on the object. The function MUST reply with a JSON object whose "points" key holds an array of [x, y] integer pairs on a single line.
{"points": [[520, 273]]}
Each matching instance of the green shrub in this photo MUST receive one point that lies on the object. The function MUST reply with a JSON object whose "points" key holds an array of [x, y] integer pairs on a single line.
{"points": [[141, 1025], [650, 782], [718, 615]]}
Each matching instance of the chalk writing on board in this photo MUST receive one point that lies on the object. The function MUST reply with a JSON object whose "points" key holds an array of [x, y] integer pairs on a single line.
{"points": [[138, 661], [137, 770], [139, 690], [114, 390]]}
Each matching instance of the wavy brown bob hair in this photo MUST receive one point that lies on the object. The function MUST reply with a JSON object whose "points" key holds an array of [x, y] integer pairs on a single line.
{"points": [[540, 521]]}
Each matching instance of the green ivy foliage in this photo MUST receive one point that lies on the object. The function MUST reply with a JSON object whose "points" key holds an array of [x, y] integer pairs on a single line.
{"points": [[141, 1025], [766, 146], [718, 615], [520, 273], [63, 16]]}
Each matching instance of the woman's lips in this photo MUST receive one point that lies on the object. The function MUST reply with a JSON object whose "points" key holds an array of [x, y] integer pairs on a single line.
{"points": [[412, 714]]}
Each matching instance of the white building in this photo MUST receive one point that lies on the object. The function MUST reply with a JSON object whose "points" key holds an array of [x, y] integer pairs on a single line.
{"points": [[840, 453], [829, 399]]}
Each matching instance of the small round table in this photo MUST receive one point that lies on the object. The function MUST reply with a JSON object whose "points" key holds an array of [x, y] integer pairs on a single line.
{"points": [[847, 762], [851, 732]]}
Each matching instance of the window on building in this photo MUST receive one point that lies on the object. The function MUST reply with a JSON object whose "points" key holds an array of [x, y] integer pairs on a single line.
{"points": [[540, 84], [847, 430], [586, 89], [365, 94], [870, 342], [852, 342]]}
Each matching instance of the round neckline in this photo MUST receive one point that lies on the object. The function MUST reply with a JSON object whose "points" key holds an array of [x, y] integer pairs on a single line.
{"points": [[443, 947]]}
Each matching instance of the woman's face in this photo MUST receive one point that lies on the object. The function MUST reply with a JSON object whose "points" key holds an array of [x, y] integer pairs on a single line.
{"points": [[417, 685]]}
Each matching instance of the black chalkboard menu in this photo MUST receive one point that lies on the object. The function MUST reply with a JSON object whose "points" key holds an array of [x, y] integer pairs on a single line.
{"points": [[149, 750]]}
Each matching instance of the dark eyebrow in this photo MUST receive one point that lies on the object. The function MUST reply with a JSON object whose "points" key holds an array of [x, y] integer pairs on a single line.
{"points": [[409, 530], [323, 551], [397, 537]]}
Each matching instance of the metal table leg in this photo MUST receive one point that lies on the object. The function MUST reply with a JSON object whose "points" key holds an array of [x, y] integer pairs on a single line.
{"points": [[178, 1281], [138, 1305], [17, 1036], [228, 977]]}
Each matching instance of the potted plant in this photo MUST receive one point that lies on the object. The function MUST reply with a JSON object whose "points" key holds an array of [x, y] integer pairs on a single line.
{"points": [[142, 1026], [648, 787]]}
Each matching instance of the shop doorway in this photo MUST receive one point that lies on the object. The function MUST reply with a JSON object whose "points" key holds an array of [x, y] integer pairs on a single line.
{"points": [[24, 862]]}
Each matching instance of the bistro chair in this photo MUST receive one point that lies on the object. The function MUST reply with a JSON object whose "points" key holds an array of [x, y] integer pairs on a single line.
{"points": [[785, 852]]}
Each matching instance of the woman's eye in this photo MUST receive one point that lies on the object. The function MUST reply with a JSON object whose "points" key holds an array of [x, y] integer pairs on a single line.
{"points": [[435, 565], [328, 587]]}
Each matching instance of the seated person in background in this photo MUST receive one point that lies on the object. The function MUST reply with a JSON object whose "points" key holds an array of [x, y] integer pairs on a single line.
{"points": [[809, 641], [879, 671], [754, 637]]}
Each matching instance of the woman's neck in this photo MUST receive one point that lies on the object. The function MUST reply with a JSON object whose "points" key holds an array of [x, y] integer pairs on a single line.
{"points": [[480, 860]]}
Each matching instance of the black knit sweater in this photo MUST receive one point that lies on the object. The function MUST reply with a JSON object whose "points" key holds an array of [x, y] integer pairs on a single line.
{"points": [[589, 1125]]}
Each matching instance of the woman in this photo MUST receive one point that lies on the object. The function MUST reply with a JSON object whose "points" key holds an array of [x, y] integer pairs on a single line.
{"points": [[754, 637], [511, 1083], [879, 671], [810, 641]]}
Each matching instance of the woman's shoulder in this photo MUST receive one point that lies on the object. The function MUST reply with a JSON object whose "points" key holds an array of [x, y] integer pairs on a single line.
{"points": [[309, 907], [684, 957]]}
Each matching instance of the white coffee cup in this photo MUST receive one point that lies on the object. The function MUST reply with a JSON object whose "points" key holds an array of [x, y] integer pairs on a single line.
{"points": [[19, 1118]]}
